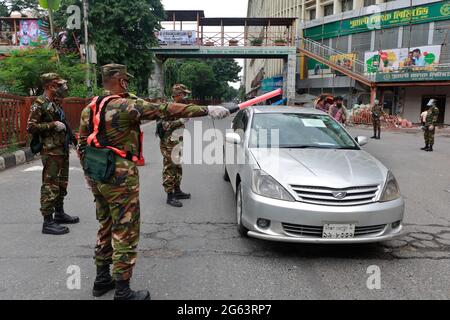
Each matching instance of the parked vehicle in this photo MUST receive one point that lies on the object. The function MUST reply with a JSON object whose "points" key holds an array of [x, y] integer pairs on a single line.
{"points": [[302, 178]]}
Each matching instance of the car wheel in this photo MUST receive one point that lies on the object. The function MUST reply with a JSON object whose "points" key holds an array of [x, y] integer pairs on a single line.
{"points": [[226, 177], [240, 227]]}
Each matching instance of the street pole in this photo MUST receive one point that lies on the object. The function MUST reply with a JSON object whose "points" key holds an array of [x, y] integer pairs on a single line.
{"points": [[86, 43]]}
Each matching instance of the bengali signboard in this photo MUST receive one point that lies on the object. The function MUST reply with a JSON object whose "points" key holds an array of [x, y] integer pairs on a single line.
{"points": [[176, 37], [411, 76], [388, 19]]}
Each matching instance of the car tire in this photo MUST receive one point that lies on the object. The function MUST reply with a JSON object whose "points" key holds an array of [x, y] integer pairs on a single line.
{"points": [[226, 177], [242, 230]]}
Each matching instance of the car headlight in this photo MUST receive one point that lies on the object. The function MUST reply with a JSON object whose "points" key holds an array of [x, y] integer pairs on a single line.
{"points": [[266, 186], [391, 190]]}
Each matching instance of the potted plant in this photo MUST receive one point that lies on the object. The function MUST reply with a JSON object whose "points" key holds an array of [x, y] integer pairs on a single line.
{"points": [[233, 42], [256, 42], [209, 43], [280, 42]]}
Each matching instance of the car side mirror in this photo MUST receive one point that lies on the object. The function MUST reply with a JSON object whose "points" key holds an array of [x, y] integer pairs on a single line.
{"points": [[361, 140], [233, 138]]}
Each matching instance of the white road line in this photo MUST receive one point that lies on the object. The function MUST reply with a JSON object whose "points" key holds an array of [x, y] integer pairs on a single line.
{"points": [[40, 168]]}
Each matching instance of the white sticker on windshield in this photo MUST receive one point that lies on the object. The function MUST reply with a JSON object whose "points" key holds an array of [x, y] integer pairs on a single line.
{"points": [[317, 123]]}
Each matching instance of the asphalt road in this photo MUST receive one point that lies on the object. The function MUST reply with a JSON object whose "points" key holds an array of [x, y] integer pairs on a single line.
{"points": [[196, 253]]}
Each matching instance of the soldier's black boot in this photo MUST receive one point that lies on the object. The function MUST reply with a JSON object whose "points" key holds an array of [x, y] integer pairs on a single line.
{"points": [[63, 218], [430, 148], [123, 292], [181, 195], [425, 148], [379, 135], [103, 281], [173, 201], [51, 227]]}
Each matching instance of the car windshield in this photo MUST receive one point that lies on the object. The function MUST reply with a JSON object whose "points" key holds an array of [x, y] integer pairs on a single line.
{"points": [[295, 130]]}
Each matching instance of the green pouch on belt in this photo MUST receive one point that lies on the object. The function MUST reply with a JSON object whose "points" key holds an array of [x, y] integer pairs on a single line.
{"points": [[99, 163]]}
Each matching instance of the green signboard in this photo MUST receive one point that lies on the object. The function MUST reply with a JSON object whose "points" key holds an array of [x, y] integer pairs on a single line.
{"points": [[389, 19], [414, 76]]}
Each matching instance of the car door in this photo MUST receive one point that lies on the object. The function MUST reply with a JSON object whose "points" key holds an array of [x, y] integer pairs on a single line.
{"points": [[237, 159]]}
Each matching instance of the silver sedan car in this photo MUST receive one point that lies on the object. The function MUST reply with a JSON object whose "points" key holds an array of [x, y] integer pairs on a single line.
{"points": [[298, 176]]}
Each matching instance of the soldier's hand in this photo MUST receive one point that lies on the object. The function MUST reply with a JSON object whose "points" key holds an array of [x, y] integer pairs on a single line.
{"points": [[431, 128], [60, 126], [218, 112]]}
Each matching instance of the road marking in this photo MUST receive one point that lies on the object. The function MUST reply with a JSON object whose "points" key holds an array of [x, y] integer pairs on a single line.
{"points": [[40, 168]]}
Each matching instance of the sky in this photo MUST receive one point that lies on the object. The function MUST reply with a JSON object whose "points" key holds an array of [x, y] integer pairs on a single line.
{"points": [[212, 8]]}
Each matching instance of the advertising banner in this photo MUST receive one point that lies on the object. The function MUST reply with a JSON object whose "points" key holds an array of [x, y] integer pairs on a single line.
{"points": [[404, 59], [32, 34]]}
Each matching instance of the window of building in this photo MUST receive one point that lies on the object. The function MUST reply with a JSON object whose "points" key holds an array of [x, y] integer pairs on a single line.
{"points": [[341, 43], [347, 5], [386, 39], [312, 14], [441, 36], [361, 43], [368, 3], [328, 10], [416, 35]]}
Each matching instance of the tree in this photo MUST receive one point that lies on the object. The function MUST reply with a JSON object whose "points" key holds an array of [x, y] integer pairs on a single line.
{"points": [[123, 32], [199, 77], [4, 11], [206, 78], [21, 6], [20, 73]]}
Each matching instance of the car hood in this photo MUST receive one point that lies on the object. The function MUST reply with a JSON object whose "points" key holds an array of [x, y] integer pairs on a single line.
{"points": [[321, 167]]}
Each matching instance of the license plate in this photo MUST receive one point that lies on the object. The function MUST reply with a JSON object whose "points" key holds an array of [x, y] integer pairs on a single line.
{"points": [[338, 231]]}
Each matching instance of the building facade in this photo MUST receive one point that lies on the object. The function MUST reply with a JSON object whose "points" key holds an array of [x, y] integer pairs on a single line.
{"points": [[403, 41]]}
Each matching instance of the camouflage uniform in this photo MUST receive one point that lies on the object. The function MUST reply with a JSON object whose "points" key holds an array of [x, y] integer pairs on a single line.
{"points": [[171, 148], [377, 111], [117, 201], [172, 168], [55, 154], [432, 118]]}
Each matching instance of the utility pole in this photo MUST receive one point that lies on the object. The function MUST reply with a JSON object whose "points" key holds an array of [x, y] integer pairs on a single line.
{"points": [[86, 43]]}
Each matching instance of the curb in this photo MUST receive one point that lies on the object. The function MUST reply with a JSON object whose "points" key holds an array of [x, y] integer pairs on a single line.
{"points": [[16, 158]]}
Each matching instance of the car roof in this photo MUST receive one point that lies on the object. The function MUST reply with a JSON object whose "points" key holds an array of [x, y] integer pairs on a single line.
{"points": [[285, 109]]}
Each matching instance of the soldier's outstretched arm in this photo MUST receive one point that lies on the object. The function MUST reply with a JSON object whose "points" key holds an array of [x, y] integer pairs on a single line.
{"points": [[172, 111]]}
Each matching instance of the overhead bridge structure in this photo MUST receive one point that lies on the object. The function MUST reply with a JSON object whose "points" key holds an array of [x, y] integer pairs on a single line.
{"points": [[237, 38]]}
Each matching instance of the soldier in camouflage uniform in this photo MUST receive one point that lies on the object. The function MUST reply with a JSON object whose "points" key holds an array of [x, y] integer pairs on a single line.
{"points": [[117, 200], [46, 120], [377, 112], [170, 146], [430, 122]]}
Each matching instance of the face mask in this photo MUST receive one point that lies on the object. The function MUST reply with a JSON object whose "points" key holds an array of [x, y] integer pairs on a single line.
{"points": [[339, 104], [62, 91]]}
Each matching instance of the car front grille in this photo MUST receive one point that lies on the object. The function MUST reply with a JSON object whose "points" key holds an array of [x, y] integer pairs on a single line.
{"points": [[336, 197], [316, 232]]}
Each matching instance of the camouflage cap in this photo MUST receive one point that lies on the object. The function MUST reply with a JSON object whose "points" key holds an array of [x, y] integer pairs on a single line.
{"points": [[179, 89], [115, 70], [49, 77]]}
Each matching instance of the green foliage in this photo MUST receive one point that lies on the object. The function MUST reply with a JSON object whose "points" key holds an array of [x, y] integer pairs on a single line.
{"points": [[123, 32], [206, 78], [20, 73], [4, 11], [19, 5]]}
